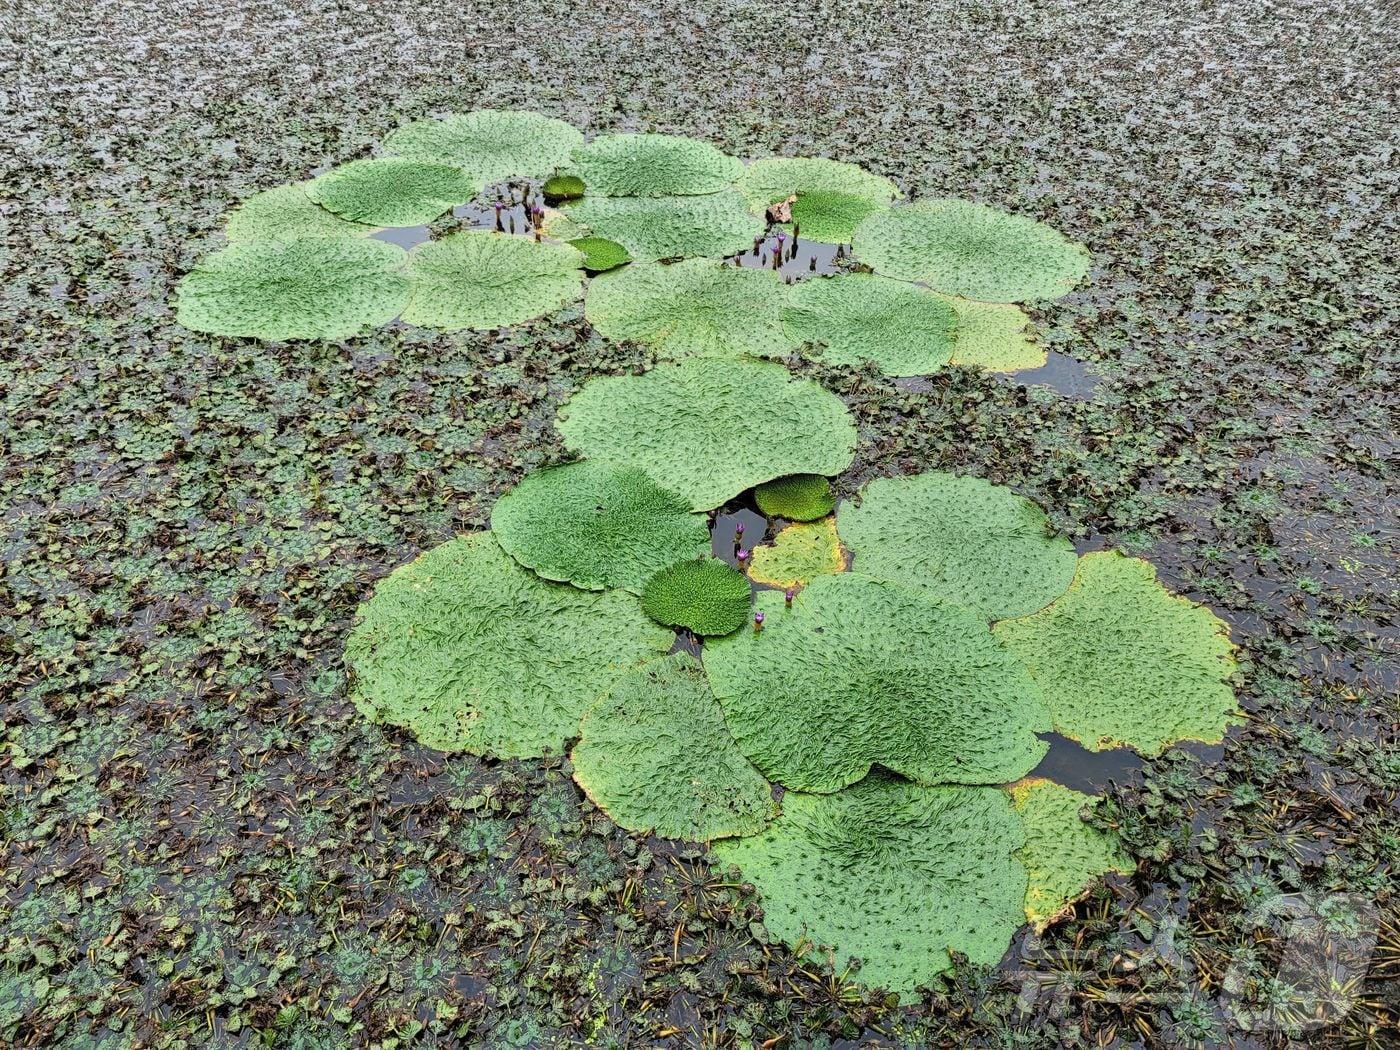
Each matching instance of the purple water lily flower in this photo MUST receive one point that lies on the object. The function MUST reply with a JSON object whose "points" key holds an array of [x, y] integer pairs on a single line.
{"points": [[757, 622]]}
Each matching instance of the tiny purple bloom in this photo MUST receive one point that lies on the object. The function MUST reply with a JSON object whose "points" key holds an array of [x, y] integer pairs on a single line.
{"points": [[787, 597], [739, 529], [743, 554], [757, 622]]}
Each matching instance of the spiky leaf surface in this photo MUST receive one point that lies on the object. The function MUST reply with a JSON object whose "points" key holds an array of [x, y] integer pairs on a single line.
{"points": [[971, 250], [959, 538], [993, 336], [392, 191], [855, 317], [891, 873], [1125, 662], [797, 497], [489, 144], [861, 671], [322, 288], [798, 555], [287, 214], [777, 178], [600, 254], [481, 279], [597, 526], [651, 228], [471, 652], [830, 218], [710, 428], [704, 595], [656, 756], [651, 165]]}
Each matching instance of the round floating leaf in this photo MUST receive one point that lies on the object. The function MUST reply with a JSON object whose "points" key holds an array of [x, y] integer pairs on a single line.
{"points": [[861, 671], [286, 214], [490, 144], [1063, 855], [1125, 662], [856, 317], [797, 497], [697, 307], [653, 166], [656, 756], [562, 188], [963, 539], [891, 873], [392, 191], [323, 288], [777, 178], [597, 526], [830, 218], [651, 228], [704, 595], [600, 254], [561, 227], [471, 652], [709, 429], [798, 555], [480, 279], [994, 336], [971, 250]]}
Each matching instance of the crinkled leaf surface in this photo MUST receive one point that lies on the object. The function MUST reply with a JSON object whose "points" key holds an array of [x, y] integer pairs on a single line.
{"points": [[971, 250], [704, 595], [392, 191], [797, 497], [777, 178], [655, 755], [830, 218], [959, 538], [287, 213], [490, 144], [322, 288], [857, 317], [471, 652], [597, 526], [861, 671], [651, 228], [651, 165], [481, 279], [710, 428], [994, 336], [600, 254], [1125, 662], [699, 307], [798, 555], [892, 873]]}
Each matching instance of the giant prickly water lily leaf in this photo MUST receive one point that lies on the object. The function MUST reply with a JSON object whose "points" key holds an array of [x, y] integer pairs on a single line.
{"points": [[776, 178], [891, 873], [705, 596], [651, 165], [490, 144], [861, 671], [971, 250], [830, 218], [286, 213], [698, 307], [321, 288], [597, 526], [959, 538], [710, 428], [471, 652], [480, 279], [798, 555], [1063, 855], [392, 191], [797, 497], [1125, 662], [655, 755], [651, 228], [993, 336], [856, 317]]}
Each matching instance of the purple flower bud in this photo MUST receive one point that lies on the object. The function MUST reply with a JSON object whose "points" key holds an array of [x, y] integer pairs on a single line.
{"points": [[743, 554], [787, 597], [757, 622], [739, 529]]}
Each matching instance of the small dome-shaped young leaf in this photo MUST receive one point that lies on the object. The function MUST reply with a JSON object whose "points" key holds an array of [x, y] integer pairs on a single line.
{"points": [[705, 596]]}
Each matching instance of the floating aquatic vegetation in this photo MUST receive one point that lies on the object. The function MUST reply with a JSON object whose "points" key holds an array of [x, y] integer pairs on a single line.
{"points": [[828, 217], [480, 279], [959, 538], [705, 596], [993, 336], [597, 526], [771, 179], [651, 165], [656, 755], [1124, 662], [710, 428], [797, 497], [491, 145], [971, 250], [287, 214], [600, 254], [561, 188], [855, 317], [322, 288], [798, 555], [651, 228], [392, 191]]}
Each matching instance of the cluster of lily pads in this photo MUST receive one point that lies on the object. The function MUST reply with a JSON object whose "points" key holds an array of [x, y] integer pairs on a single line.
{"points": [[855, 726], [691, 250]]}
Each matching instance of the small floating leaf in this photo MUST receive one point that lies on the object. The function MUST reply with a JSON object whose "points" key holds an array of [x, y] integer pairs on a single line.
{"points": [[797, 497], [651, 228], [704, 595], [830, 218], [562, 188], [490, 144], [651, 165], [287, 214], [392, 191], [994, 336], [798, 555], [600, 254]]}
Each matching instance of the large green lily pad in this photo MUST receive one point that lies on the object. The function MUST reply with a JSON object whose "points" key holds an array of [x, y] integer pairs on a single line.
{"points": [[857, 317], [830, 218], [776, 178], [651, 165], [651, 228], [705, 596], [286, 213], [392, 191], [490, 144], [994, 336]]}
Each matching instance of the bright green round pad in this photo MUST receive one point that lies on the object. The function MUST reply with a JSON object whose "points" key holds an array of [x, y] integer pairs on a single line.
{"points": [[600, 254], [857, 317], [480, 279], [1125, 662], [711, 428], [322, 288], [656, 756], [392, 191], [797, 497], [958, 538], [971, 250], [830, 218], [287, 214], [651, 165], [704, 595], [862, 671], [490, 144], [776, 178], [597, 526], [651, 228], [891, 873], [471, 652]]}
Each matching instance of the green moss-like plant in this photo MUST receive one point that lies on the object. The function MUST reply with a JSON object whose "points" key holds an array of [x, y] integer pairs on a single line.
{"points": [[830, 218], [651, 165], [597, 526], [562, 188], [392, 191], [471, 652], [958, 538], [994, 336], [706, 596], [798, 555], [776, 178], [1123, 662], [797, 497], [861, 671], [287, 214], [490, 144], [656, 756], [710, 428], [651, 228], [600, 254], [321, 288]]}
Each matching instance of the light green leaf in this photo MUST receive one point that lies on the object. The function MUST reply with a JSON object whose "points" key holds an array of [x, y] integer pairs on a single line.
{"points": [[651, 165], [651, 228], [392, 191], [285, 214], [491, 145], [857, 317]]}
